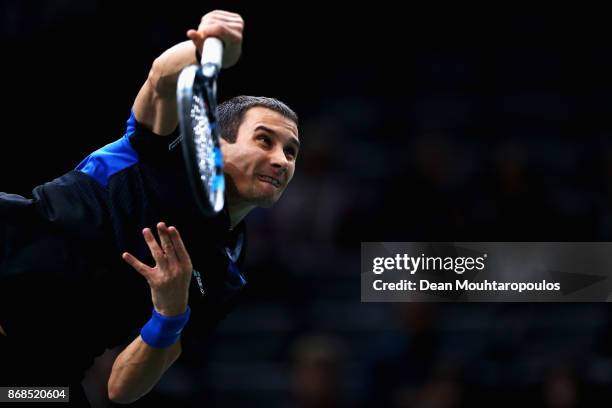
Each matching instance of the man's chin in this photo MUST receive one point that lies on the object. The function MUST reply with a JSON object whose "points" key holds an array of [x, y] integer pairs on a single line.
{"points": [[267, 201]]}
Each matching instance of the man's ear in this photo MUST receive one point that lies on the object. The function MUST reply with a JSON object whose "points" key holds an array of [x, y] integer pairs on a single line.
{"points": [[227, 149], [223, 143]]}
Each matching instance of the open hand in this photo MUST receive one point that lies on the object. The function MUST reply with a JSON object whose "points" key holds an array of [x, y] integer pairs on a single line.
{"points": [[169, 279]]}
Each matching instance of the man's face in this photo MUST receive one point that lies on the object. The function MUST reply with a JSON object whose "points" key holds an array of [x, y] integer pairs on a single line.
{"points": [[261, 162]]}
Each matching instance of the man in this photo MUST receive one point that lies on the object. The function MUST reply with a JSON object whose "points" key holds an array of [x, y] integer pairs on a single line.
{"points": [[65, 296]]}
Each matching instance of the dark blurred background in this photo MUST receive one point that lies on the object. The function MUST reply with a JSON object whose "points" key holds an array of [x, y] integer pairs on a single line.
{"points": [[416, 125]]}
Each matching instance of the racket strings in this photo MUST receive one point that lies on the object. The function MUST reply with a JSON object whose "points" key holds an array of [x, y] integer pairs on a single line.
{"points": [[196, 96], [204, 145]]}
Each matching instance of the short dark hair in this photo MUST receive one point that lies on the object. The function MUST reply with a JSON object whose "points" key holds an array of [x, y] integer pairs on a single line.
{"points": [[231, 113]]}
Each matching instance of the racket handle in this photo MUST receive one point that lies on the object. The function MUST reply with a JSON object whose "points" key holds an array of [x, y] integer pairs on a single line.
{"points": [[212, 52]]}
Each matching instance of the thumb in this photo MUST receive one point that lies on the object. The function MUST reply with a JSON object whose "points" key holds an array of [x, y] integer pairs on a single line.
{"points": [[197, 38], [136, 264]]}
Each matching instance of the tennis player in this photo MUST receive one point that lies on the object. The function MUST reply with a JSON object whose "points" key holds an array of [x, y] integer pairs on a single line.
{"points": [[115, 252]]}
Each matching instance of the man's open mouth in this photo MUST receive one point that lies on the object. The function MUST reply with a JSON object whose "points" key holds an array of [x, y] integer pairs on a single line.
{"points": [[271, 180]]}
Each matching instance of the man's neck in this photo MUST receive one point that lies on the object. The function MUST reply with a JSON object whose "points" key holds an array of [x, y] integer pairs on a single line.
{"points": [[237, 212]]}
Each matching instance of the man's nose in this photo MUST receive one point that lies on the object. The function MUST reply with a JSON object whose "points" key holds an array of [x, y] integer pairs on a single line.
{"points": [[279, 160]]}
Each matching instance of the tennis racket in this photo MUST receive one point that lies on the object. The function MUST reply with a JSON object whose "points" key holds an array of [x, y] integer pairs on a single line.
{"points": [[196, 94]]}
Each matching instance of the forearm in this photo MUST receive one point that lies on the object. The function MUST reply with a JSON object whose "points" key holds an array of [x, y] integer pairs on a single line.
{"points": [[138, 368], [167, 67], [155, 104]]}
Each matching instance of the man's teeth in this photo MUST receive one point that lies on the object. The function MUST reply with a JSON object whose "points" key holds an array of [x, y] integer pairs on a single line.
{"points": [[270, 180]]}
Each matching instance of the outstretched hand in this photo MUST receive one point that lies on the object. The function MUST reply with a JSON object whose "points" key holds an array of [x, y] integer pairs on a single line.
{"points": [[169, 279], [226, 26]]}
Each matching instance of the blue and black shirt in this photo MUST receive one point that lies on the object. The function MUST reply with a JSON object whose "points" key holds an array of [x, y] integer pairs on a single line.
{"points": [[62, 278]]}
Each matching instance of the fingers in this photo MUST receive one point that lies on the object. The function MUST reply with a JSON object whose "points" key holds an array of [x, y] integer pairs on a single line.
{"points": [[166, 242], [230, 22], [156, 251], [181, 251], [224, 16], [136, 264], [226, 26], [172, 259], [225, 31], [219, 23]]}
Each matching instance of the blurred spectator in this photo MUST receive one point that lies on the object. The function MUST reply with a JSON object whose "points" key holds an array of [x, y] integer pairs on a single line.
{"points": [[560, 388], [318, 373], [443, 390], [406, 358]]}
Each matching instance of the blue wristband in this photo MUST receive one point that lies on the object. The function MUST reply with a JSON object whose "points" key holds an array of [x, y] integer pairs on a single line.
{"points": [[163, 331]]}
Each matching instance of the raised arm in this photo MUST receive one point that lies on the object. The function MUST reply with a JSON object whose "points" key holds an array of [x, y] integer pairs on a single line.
{"points": [[155, 105], [142, 363]]}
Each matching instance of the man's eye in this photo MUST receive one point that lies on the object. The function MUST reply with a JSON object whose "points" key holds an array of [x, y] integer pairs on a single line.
{"points": [[290, 152], [265, 139]]}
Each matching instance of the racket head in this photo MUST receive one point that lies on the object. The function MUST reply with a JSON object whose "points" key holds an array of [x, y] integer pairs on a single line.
{"points": [[200, 139]]}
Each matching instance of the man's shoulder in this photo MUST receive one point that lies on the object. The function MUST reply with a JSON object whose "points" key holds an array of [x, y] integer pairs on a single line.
{"points": [[137, 144], [109, 160]]}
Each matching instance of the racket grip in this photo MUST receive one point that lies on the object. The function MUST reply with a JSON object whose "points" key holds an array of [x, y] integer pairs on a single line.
{"points": [[212, 52]]}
